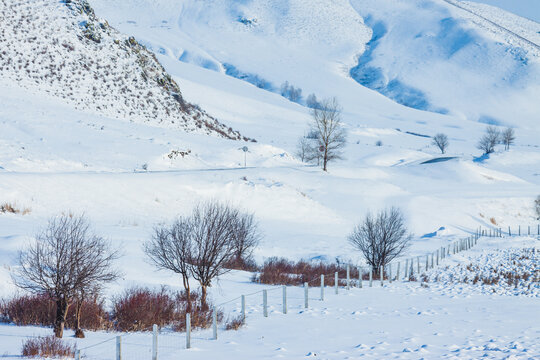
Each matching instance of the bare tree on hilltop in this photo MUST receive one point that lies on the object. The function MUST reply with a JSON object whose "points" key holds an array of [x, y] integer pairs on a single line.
{"points": [[327, 124]]}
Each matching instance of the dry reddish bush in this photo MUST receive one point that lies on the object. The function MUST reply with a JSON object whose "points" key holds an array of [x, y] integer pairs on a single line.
{"points": [[41, 310], [280, 271], [138, 309], [47, 347], [234, 323]]}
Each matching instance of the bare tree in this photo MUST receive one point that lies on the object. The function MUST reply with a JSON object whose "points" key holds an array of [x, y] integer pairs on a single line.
{"points": [[312, 102], [307, 150], [489, 140], [170, 249], [64, 260], [246, 237], [381, 238], [213, 245], [331, 134], [441, 141], [508, 137]]}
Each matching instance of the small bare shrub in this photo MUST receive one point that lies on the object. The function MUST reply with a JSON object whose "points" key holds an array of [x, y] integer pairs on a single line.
{"points": [[234, 323], [493, 221], [47, 347]]}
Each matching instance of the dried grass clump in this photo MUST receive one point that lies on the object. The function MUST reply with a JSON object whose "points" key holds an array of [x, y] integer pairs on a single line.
{"points": [[13, 209], [47, 347], [234, 323]]}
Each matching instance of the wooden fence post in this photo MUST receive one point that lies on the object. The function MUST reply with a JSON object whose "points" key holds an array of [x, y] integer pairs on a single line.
{"points": [[154, 342], [382, 274], [336, 282], [214, 323], [432, 261], [243, 308], [360, 280], [509, 232], [437, 257], [306, 295], [119, 348], [265, 303], [519, 230], [370, 276], [406, 269], [284, 299], [397, 272], [418, 262], [188, 331], [322, 287], [427, 262]]}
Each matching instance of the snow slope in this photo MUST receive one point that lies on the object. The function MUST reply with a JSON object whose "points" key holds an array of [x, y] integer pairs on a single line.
{"points": [[423, 54], [525, 8]]}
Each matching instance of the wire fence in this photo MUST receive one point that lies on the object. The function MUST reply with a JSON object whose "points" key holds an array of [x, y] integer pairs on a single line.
{"points": [[278, 299]]}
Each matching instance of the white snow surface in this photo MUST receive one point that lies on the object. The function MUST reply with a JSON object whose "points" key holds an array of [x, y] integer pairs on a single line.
{"points": [[57, 156]]}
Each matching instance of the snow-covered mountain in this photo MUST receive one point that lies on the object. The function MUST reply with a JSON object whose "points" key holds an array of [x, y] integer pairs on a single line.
{"points": [[62, 49]]}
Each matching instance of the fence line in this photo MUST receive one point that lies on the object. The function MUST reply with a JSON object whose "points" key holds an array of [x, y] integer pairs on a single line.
{"points": [[165, 343]]}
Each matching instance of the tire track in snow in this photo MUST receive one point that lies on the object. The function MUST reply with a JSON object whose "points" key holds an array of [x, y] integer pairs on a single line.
{"points": [[505, 30]]}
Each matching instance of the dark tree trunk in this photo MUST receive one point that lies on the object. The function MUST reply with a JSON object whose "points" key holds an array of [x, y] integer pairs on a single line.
{"points": [[204, 305], [78, 331], [188, 294], [61, 313]]}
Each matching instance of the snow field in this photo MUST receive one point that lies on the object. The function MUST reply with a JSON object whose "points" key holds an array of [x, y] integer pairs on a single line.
{"points": [[430, 320]]}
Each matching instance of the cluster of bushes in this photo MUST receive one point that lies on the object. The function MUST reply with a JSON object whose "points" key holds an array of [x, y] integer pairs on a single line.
{"points": [[136, 309], [280, 271]]}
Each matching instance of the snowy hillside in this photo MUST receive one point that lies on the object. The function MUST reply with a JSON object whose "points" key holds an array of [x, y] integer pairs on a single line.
{"points": [[429, 55], [109, 114], [62, 49]]}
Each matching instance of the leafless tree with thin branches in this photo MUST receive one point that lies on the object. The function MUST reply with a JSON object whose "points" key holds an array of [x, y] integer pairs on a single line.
{"points": [[488, 141], [213, 242], [170, 249], [246, 237], [441, 141], [381, 238], [508, 137], [63, 261], [329, 128]]}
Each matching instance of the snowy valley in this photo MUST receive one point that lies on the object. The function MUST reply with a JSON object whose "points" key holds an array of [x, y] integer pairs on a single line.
{"points": [[133, 112]]}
